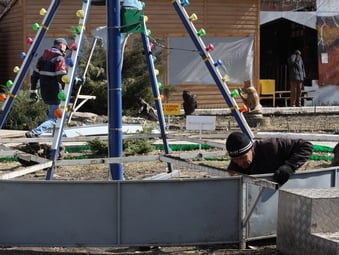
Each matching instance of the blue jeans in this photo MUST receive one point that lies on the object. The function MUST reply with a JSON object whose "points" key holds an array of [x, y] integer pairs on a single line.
{"points": [[49, 123]]}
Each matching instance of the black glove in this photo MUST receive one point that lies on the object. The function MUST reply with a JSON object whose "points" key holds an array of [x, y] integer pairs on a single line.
{"points": [[79, 80], [283, 174], [34, 97]]}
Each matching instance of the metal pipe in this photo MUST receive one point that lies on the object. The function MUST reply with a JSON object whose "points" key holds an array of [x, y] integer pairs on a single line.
{"points": [[83, 77], [156, 93], [114, 59], [59, 128]]}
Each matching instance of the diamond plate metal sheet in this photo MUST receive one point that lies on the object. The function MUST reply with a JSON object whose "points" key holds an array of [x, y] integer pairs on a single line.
{"points": [[308, 221]]}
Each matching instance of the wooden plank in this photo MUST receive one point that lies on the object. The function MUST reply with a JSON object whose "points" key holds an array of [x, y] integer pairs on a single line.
{"points": [[42, 163], [6, 133], [27, 170], [30, 157], [164, 176], [8, 153]]}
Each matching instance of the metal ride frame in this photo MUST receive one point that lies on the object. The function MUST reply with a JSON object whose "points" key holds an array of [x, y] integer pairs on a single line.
{"points": [[180, 212]]}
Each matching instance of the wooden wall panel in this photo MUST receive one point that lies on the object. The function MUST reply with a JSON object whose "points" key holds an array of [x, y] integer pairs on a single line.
{"points": [[208, 96], [232, 17], [65, 18], [163, 19], [218, 17], [11, 30]]}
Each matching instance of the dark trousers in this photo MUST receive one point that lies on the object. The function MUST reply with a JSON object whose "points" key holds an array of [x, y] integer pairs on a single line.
{"points": [[295, 87]]}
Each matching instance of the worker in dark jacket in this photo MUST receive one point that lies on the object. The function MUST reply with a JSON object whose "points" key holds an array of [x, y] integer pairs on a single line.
{"points": [[50, 68], [297, 76], [281, 156]]}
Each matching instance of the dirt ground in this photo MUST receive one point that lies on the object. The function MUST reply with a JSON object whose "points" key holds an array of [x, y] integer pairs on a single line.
{"points": [[217, 250], [311, 123], [138, 170]]}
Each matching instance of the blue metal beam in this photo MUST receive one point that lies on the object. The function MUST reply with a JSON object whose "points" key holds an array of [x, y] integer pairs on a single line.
{"points": [[114, 60], [156, 93]]}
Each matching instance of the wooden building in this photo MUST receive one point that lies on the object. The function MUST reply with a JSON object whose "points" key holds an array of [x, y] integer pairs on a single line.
{"points": [[16, 25], [220, 18]]}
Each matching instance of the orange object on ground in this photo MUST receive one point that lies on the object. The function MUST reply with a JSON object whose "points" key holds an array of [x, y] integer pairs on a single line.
{"points": [[58, 113]]}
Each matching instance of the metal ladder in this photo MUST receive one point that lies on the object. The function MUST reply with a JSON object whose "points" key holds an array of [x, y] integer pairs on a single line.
{"points": [[84, 98], [69, 80]]}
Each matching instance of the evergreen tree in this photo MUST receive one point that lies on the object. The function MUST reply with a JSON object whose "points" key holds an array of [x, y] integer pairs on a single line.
{"points": [[135, 78]]}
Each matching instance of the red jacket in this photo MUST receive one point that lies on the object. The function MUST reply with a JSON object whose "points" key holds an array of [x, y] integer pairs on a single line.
{"points": [[50, 67]]}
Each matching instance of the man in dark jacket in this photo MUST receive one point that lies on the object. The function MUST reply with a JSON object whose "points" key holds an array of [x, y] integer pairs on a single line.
{"points": [[50, 68], [281, 156], [297, 76]]}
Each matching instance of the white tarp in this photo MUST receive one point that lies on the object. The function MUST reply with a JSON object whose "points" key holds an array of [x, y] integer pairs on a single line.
{"points": [[101, 129], [324, 8], [185, 65], [307, 19], [327, 7]]}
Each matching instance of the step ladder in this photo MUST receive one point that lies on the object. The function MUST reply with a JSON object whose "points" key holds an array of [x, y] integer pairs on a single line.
{"points": [[204, 52], [75, 106]]}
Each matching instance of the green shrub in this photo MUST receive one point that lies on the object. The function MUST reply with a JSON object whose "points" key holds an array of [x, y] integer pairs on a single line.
{"points": [[130, 147], [135, 79], [138, 146], [25, 115], [168, 90], [96, 79], [98, 147]]}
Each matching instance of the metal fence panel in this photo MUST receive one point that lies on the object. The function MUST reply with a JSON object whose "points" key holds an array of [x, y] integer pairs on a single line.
{"points": [[186, 212], [55, 213], [133, 213]]}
